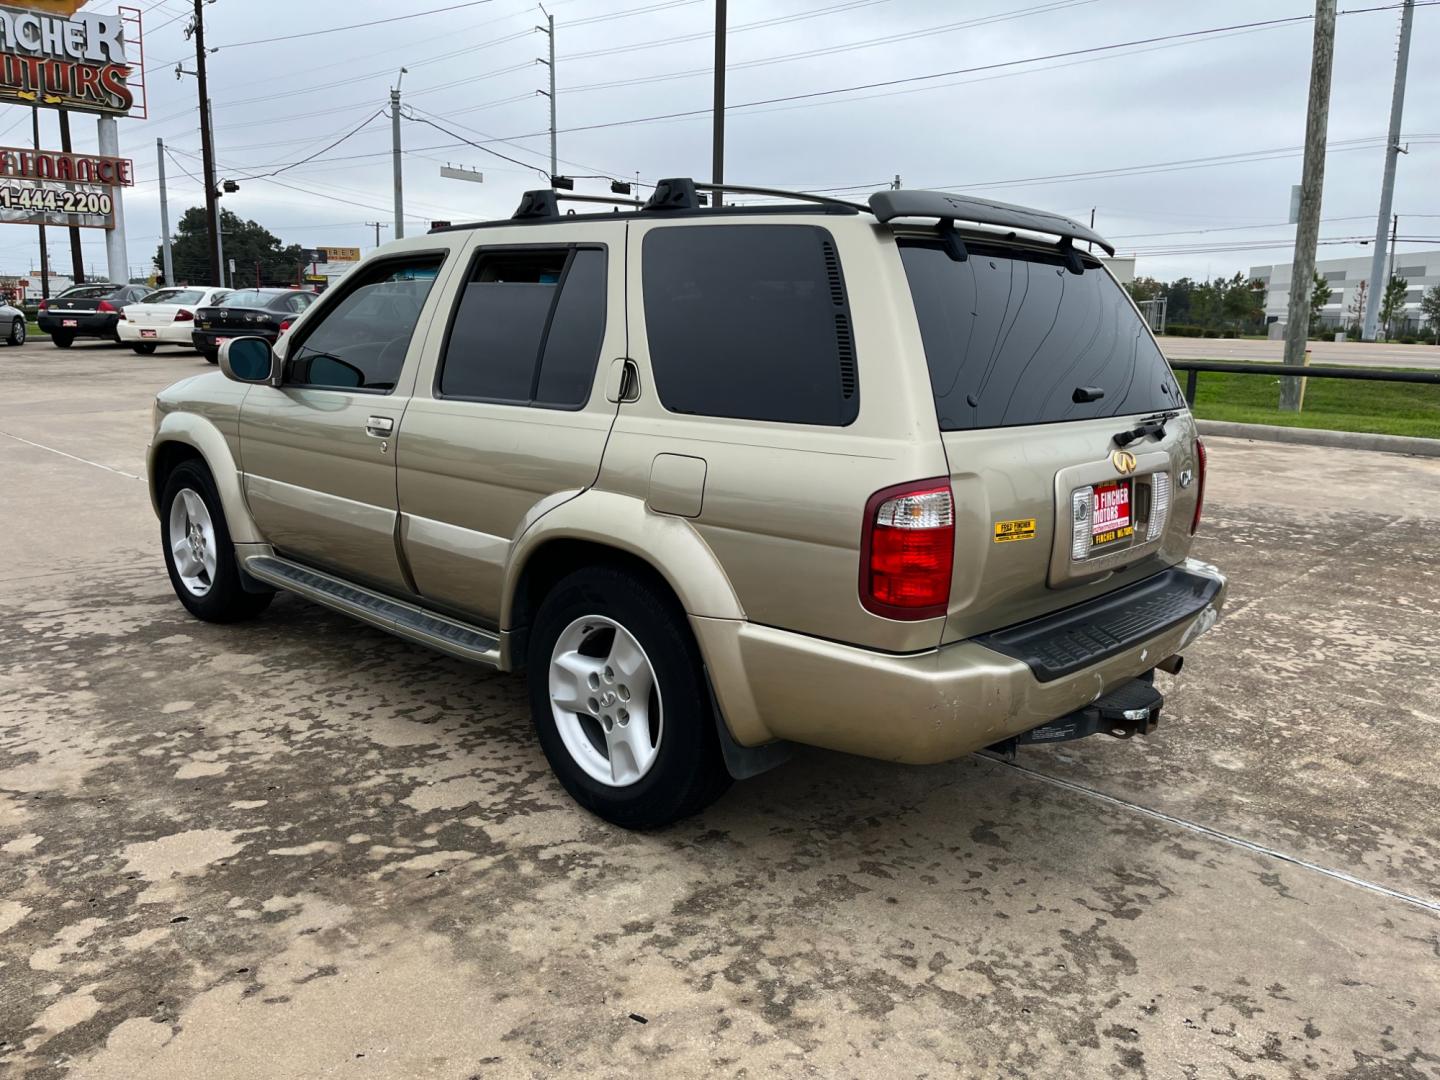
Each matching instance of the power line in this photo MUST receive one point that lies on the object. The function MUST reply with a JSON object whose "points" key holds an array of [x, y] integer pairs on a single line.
{"points": [[514, 161], [353, 26]]}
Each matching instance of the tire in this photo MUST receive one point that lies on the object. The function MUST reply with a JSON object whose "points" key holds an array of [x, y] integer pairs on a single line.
{"points": [[17, 333], [62, 341], [208, 586], [145, 349], [210, 357], [599, 750]]}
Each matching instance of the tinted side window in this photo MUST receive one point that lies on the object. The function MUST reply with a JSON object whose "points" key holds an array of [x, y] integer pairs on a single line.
{"points": [[750, 321], [528, 328], [361, 341], [1010, 334]]}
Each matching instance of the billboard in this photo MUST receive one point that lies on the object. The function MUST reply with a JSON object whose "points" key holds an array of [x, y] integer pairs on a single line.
{"points": [[339, 254], [49, 187], [78, 60]]}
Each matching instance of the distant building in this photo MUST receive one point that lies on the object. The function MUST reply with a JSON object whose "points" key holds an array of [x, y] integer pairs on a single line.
{"points": [[1420, 269]]}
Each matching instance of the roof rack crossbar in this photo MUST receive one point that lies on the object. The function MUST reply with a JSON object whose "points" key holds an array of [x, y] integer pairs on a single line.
{"points": [[803, 196], [543, 203]]}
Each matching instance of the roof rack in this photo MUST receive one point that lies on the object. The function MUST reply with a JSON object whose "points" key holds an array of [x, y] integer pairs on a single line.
{"points": [[545, 203], [948, 209], [680, 193]]}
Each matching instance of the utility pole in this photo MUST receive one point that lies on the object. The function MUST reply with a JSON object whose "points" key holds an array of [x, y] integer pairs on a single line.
{"points": [[378, 225], [44, 250], [214, 195], [1387, 184], [717, 153], [207, 148], [1312, 185], [167, 262], [395, 158], [549, 29], [895, 184], [1390, 274], [77, 257]]}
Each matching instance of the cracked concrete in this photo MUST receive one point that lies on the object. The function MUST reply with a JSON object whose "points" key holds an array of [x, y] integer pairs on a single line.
{"points": [[299, 847]]}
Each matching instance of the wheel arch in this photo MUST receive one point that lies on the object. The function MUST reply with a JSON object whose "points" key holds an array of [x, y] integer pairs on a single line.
{"points": [[184, 437]]}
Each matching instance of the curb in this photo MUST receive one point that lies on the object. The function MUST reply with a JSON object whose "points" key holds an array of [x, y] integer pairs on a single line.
{"points": [[1347, 440]]}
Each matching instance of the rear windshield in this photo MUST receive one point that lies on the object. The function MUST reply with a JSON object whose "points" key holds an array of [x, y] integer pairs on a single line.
{"points": [[91, 292], [1010, 336], [175, 296], [248, 298]]}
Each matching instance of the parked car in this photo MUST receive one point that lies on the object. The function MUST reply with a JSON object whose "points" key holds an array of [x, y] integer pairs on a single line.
{"points": [[265, 313], [91, 310], [12, 324], [904, 479], [166, 317]]}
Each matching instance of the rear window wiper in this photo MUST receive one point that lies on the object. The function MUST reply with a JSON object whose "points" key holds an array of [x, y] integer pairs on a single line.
{"points": [[1151, 425]]}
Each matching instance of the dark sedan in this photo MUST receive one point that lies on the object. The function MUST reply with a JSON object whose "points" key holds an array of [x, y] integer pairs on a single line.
{"points": [[87, 311], [265, 313]]}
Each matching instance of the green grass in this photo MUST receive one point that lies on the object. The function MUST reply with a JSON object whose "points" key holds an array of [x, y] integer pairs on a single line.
{"points": [[33, 330], [1336, 404]]}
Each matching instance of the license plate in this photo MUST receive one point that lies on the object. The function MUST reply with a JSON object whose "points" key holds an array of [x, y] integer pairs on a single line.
{"points": [[69, 322], [220, 341], [148, 333], [1110, 513]]}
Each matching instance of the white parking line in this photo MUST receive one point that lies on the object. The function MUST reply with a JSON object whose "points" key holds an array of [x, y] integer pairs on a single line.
{"points": [[1224, 838], [72, 457]]}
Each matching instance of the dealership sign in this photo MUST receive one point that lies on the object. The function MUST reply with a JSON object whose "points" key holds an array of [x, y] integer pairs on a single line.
{"points": [[19, 163], [78, 62]]}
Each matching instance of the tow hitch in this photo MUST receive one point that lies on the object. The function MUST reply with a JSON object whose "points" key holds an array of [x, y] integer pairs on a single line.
{"points": [[1132, 708]]}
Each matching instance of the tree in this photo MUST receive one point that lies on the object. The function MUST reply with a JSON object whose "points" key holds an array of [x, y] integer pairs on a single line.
{"points": [[1357, 307], [1320, 294], [1145, 288], [1242, 301], [1393, 302], [247, 242], [1430, 308]]}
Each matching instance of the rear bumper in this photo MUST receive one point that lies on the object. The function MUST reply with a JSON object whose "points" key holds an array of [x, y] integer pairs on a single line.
{"points": [[159, 334], [919, 709], [87, 324]]}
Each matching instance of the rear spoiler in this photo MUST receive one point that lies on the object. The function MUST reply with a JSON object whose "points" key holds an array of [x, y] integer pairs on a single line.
{"points": [[888, 205]]}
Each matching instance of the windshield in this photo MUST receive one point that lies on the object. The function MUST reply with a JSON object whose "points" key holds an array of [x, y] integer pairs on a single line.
{"points": [[248, 298], [90, 292], [1011, 334], [175, 296]]}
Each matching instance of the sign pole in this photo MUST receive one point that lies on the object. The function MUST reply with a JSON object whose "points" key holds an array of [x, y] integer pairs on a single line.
{"points": [[44, 252], [119, 266], [77, 256], [166, 258]]}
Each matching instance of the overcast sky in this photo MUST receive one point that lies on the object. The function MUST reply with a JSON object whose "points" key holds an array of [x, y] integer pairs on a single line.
{"points": [[472, 71]]}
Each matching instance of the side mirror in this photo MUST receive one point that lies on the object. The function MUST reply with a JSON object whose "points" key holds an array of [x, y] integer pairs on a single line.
{"points": [[249, 360]]}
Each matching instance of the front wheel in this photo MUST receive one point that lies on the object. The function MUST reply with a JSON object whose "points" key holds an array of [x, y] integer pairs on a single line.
{"points": [[144, 348], [198, 552], [619, 700], [17, 333]]}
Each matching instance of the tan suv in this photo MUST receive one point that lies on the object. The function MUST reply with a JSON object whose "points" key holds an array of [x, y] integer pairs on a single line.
{"points": [[904, 480]]}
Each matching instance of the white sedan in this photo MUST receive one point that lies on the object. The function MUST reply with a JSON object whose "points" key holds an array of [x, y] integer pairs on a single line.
{"points": [[165, 317]]}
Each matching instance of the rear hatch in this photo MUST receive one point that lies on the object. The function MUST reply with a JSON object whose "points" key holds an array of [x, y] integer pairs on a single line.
{"points": [[162, 312], [241, 313], [1071, 453]]}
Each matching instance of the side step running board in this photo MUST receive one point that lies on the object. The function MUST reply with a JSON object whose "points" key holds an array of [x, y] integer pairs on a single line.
{"points": [[399, 618]]}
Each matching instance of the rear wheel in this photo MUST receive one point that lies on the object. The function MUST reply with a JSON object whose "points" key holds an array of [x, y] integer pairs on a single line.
{"points": [[198, 552], [144, 348], [210, 357], [62, 341], [17, 333], [619, 700]]}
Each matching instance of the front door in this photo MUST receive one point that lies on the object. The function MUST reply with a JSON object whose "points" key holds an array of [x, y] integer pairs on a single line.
{"points": [[318, 452], [509, 416]]}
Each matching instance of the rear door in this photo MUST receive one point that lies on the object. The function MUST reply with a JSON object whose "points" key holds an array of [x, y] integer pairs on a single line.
{"points": [[509, 417], [318, 451], [1041, 379]]}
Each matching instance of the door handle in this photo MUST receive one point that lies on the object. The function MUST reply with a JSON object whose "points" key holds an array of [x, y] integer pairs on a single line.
{"points": [[381, 427]]}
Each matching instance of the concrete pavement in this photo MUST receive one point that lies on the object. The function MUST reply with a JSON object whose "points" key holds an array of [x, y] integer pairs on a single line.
{"points": [[1362, 353], [301, 848]]}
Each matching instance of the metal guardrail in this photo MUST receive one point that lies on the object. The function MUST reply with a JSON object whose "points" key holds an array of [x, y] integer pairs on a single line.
{"points": [[1192, 369]]}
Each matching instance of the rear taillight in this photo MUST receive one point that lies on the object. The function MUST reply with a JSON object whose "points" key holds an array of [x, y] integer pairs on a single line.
{"points": [[907, 550], [43, 305], [1199, 485], [285, 326], [184, 316], [105, 306]]}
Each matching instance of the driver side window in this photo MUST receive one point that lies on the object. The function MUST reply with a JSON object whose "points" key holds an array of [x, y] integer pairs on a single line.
{"points": [[361, 341]]}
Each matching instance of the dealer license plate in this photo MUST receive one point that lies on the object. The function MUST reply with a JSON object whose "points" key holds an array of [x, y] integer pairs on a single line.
{"points": [[148, 333], [69, 322], [220, 341], [1110, 513]]}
